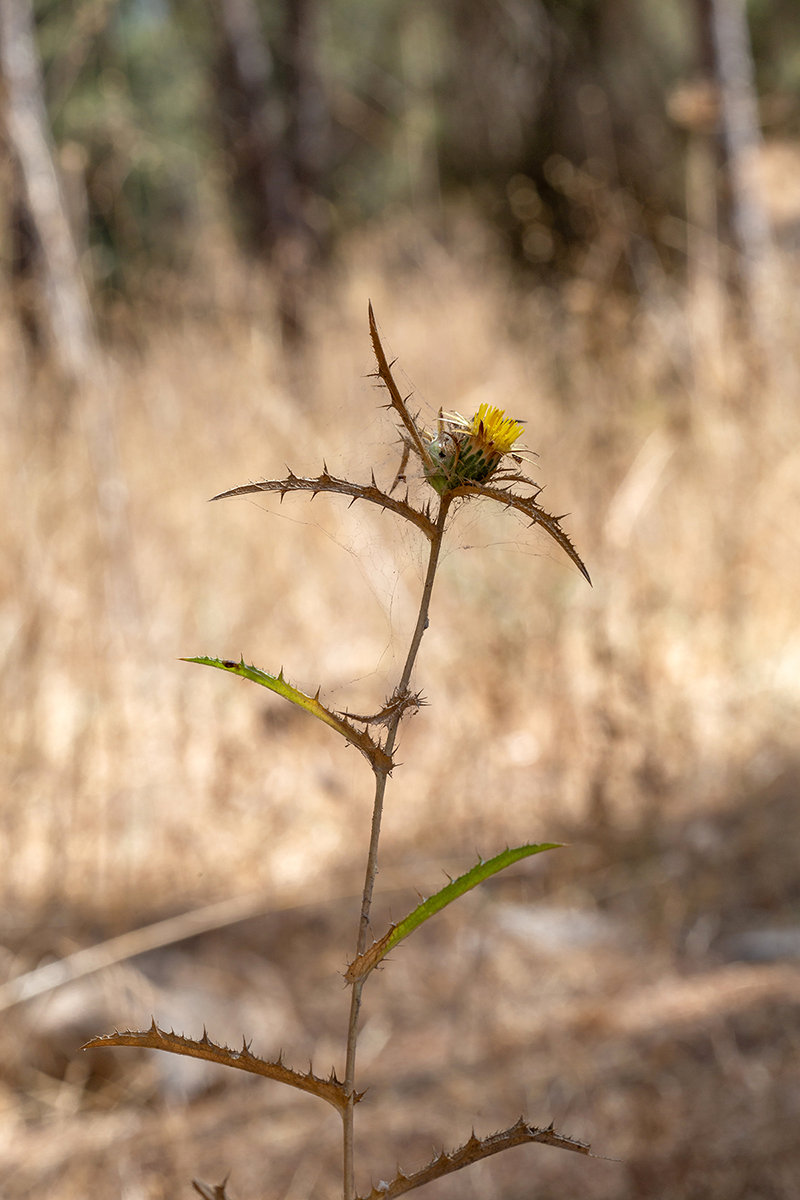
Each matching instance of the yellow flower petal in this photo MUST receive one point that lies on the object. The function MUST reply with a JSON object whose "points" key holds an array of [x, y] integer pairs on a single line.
{"points": [[491, 425]]}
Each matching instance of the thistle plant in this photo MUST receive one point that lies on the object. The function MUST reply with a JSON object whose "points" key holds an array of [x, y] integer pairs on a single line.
{"points": [[462, 460]]}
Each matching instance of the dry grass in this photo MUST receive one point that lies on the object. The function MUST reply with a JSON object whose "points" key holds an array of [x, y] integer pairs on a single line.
{"points": [[650, 721]]}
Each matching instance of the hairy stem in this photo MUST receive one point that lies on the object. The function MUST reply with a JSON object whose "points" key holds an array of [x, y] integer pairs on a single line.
{"points": [[372, 857]]}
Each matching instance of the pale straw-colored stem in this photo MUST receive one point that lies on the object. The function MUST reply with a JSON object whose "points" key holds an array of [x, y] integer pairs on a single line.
{"points": [[372, 857]]}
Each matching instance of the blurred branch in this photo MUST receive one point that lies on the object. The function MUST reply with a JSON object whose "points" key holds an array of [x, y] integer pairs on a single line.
{"points": [[185, 925], [137, 941], [252, 123], [69, 314], [741, 129], [67, 304], [276, 137], [308, 126]]}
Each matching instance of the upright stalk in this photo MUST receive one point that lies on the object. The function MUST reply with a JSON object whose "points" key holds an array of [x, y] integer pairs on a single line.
{"points": [[372, 857]]}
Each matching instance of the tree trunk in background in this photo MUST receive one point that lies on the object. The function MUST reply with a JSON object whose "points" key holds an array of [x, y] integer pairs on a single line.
{"points": [[694, 106], [252, 120], [306, 148], [67, 305], [741, 130], [69, 314], [307, 136], [277, 141]]}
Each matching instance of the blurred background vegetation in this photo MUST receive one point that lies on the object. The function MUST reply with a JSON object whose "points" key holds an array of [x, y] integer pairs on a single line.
{"points": [[285, 125], [587, 212]]}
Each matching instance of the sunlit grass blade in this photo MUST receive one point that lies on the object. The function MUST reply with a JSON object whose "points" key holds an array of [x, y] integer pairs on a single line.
{"points": [[378, 759], [364, 963]]}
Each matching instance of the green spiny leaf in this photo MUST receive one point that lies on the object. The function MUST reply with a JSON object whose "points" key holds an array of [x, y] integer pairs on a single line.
{"points": [[378, 759], [364, 963]]}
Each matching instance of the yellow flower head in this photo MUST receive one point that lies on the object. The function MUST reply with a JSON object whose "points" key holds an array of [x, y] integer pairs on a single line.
{"points": [[491, 426], [469, 451]]}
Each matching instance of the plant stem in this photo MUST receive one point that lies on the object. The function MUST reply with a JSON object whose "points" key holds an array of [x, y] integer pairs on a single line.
{"points": [[372, 857]]}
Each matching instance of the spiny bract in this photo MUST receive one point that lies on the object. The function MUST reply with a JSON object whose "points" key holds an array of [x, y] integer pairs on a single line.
{"points": [[468, 451]]}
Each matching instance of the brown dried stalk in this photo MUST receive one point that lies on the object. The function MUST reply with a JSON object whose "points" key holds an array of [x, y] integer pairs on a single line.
{"points": [[342, 1095], [154, 1038], [471, 1152], [215, 1191], [402, 704], [384, 373], [528, 507], [329, 483]]}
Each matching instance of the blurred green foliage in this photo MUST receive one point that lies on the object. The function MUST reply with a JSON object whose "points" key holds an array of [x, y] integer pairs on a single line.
{"points": [[498, 99]]}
